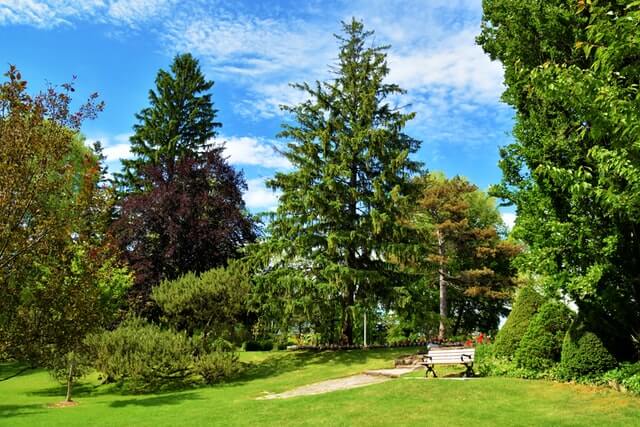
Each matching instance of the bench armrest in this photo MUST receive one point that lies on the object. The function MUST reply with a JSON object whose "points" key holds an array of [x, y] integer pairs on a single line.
{"points": [[462, 356]]}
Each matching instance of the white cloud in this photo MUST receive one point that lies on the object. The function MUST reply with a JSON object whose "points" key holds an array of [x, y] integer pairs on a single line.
{"points": [[252, 151], [53, 13], [456, 64], [131, 12], [259, 197], [115, 147], [509, 219]]}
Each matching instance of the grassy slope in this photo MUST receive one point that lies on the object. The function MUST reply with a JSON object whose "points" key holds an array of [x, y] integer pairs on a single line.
{"points": [[487, 401]]}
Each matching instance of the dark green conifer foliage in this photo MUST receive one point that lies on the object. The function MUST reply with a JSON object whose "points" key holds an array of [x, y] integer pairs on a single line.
{"points": [[178, 123], [524, 309], [584, 353], [338, 217], [541, 345]]}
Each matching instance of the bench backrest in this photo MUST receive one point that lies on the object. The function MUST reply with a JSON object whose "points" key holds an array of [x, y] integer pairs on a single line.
{"points": [[451, 355]]}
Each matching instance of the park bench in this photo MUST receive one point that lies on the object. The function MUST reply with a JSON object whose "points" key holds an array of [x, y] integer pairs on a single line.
{"points": [[463, 356]]}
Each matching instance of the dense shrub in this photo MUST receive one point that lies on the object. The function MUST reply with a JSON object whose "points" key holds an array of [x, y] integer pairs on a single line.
{"points": [[583, 354], [488, 364], [148, 357], [527, 303], [626, 377], [216, 366], [212, 303], [541, 345]]}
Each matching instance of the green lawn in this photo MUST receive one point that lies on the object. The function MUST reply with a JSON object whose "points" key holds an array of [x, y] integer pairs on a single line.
{"points": [[405, 401]]}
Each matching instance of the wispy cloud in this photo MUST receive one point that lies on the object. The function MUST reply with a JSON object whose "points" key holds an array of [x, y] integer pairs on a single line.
{"points": [[53, 13]]}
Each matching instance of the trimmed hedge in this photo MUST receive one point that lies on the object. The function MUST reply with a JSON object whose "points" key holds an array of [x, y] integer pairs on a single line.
{"points": [[526, 305], [541, 346], [583, 353]]}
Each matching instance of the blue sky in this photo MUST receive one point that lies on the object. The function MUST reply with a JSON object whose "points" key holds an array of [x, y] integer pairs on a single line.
{"points": [[252, 50]]}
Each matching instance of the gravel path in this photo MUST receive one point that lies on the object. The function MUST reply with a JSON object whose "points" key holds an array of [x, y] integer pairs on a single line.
{"points": [[360, 380]]}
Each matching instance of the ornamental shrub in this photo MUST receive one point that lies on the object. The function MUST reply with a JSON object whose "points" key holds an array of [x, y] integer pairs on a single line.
{"points": [[626, 377], [526, 305], [212, 303], [149, 358], [583, 353], [541, 345]]}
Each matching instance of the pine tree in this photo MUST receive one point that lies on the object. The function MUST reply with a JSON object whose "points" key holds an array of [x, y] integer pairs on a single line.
{"points": [[338, 218], [179, 123]]}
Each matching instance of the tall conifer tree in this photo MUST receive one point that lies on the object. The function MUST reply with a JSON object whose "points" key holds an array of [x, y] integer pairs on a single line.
{"points": [[180, 208], [338, 217], [179, 122]]}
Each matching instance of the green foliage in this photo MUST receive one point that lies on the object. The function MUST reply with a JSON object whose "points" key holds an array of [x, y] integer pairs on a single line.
{"points": [[211, 303], [626, 376], [574, 169], [179, 123], [337, 221], [216, 366], [488, 364], [526, 305], [461, 251], [148, 357], [583, 353], [541, 345]]}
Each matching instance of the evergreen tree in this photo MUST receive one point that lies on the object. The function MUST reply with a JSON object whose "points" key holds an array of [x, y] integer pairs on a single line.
{"points": [[179, 123], [338, 218], [180, 208]]}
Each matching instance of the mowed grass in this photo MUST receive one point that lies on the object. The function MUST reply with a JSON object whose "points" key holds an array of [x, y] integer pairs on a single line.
{"points": [[406, 401]]}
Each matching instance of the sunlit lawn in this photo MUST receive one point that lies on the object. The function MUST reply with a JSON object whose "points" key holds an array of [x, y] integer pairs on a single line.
{"points": [[404, 401]]}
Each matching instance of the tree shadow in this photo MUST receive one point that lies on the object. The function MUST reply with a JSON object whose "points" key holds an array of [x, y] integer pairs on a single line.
{"points": [[9, 370], [166, 399], [7, 411], [79, 390]]}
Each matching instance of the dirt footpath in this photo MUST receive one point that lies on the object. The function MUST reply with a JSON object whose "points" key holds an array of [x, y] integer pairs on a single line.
{"points": [[360, 380]]}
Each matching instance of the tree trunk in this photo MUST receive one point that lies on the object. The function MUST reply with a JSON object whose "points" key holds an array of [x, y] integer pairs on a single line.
{"points": [[347, 317], [69, 383], [442, 331]]}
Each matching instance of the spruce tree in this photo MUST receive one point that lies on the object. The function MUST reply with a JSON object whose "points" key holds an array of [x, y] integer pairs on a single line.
{"points": [[179, 122], [338, 221]]}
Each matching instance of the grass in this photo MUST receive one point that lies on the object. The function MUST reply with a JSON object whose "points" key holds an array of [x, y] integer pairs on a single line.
{"points": [[405, 401]]}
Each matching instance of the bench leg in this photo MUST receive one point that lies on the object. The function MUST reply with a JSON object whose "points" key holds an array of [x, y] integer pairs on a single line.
{"points": [[430, 369], [469, 372]]}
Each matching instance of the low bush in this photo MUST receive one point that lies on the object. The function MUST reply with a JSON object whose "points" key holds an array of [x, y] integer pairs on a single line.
{"points": [[626, 377], [488, 364], [583, 354], [527, 303], [541, 346], [148, 357], [216, 366]]}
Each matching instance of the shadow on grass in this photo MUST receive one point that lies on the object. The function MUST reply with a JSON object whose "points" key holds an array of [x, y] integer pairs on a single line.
{"points": [[167, 399], [79, 390], [8, 411], [9, 370]]}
